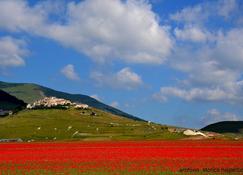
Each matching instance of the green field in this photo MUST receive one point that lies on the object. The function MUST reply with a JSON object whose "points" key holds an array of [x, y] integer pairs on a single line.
{"points": [[72, 124]]}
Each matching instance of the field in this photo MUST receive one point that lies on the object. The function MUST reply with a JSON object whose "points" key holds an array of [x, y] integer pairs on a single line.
{"points": [[123, 157]]}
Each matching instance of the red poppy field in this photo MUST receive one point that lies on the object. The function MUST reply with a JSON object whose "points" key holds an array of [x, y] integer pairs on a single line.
{"points": [[124, 157]]}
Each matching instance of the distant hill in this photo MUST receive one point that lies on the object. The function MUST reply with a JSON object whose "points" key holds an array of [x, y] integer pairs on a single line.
{"points": [[225, 127], [32, 92], [9, 102]]}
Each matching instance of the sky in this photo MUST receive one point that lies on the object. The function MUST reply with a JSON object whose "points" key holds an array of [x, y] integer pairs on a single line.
{"points": [[168, 61]]}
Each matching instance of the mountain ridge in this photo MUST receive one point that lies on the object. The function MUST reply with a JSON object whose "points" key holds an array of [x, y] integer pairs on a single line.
{"points": [[30, 92]]}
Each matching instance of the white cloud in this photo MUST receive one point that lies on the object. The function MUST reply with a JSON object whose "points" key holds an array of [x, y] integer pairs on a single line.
{"points": [[12, 52], [127, 30], [114, 104], [18, 16], [191, 33], [209, 77], [199, 13], [213, 116], [229, 49], [213, 70], [69, 72], [95, 96], [191, 15], [198, 94], [204, 67], [123, 79], [194, 20], [128, 78]]}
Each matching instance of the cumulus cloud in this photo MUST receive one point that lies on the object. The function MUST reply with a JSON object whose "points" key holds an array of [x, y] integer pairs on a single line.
{"points": [[129, 78], [22, 17], [204, 67], [198, 94], [123, 79], [195, 14], [69, 72], [212, 69], [229, 49], [214, 115], [194, 20], [191, 33], [211, 75], [198, 14], [12, 52], [128, 30]]}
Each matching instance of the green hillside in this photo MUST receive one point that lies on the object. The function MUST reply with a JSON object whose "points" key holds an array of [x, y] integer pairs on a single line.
{"points": [[54, 124], [32, 92]]}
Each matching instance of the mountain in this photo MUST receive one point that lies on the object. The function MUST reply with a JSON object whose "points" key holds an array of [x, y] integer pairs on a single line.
{"points": [[235, 127], [9, 102], [32, 92]]}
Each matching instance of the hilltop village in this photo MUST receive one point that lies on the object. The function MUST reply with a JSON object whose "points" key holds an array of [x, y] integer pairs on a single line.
{"points": [[53, 102], [48, 103]]}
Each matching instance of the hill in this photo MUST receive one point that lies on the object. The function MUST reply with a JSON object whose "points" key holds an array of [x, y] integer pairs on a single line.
{"points": [[32, 92], [235, 127], [9, 102], [73, 124]]}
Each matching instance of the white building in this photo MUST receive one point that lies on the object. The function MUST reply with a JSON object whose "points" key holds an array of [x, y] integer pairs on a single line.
{"points": [[189, 132], [81, 106]]}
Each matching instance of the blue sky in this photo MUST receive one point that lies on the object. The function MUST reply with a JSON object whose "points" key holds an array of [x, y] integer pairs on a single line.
{"points": [[169, 61]]}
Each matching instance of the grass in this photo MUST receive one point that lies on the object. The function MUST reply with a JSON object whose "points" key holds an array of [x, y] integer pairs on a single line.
{"points": [[58, 124], [26, 92]]}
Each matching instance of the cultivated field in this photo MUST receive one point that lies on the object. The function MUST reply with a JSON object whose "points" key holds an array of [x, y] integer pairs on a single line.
{"points": [[123, 157]]}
